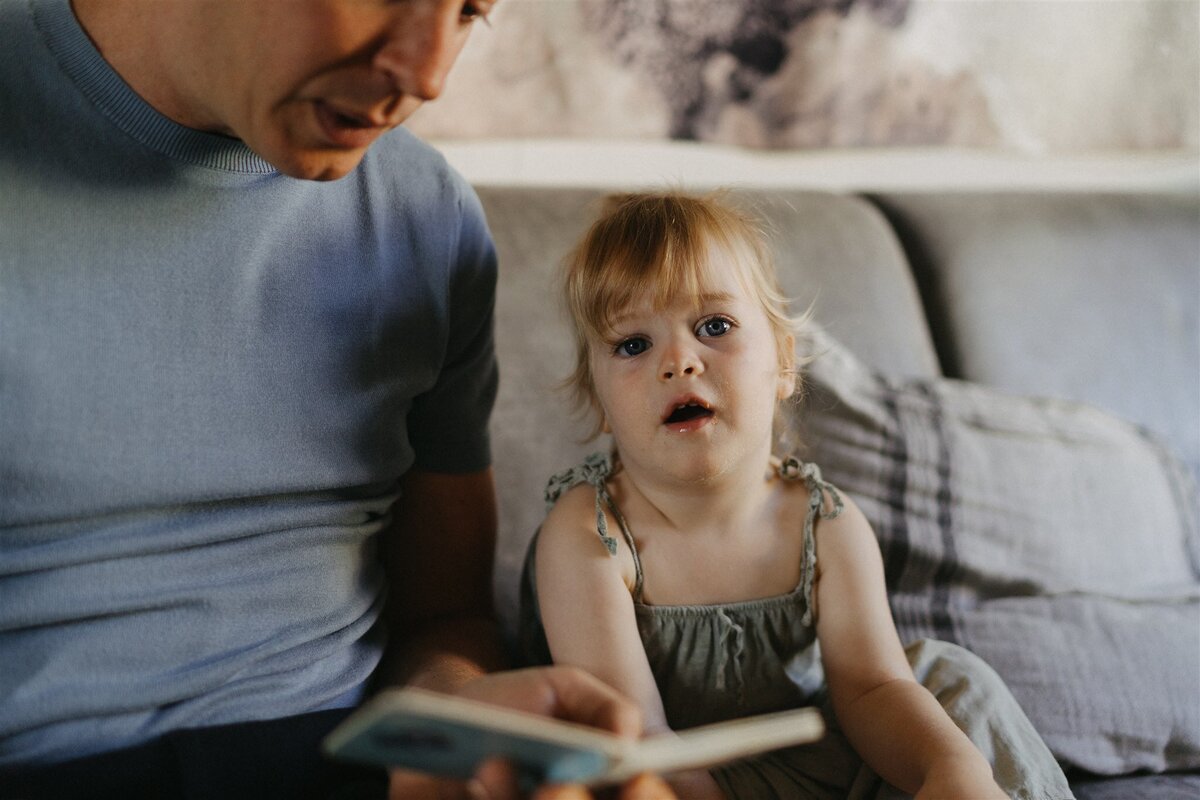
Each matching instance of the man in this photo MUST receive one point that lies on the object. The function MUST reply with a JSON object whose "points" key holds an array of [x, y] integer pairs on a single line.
{"points": [[245, 360]]}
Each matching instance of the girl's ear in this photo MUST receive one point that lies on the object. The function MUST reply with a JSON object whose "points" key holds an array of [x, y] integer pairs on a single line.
{"points": [[787, 368], [599, 409]]}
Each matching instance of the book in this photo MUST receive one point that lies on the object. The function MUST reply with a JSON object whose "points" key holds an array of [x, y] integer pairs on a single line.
{"points": [[451, 736]]}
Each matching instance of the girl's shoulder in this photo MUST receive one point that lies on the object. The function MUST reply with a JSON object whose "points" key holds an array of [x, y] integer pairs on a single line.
{"points": [[572, 506], [833, 523], [580, 531], [822, 498], [577, 502], [842, 535], [594, 471]]}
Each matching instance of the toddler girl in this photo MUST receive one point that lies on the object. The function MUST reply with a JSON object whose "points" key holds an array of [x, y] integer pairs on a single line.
{"points": [[707, 579]]}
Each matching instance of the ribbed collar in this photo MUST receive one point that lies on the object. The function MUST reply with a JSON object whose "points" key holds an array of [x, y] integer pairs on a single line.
{"points": [[82, 62]]}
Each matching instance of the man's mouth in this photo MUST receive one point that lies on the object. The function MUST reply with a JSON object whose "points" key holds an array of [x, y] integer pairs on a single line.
{"points": [[351, 120], [687, 412], [344, 128]]}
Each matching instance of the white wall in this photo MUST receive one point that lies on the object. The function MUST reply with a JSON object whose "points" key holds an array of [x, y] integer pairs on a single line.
{"points": [[1043, 77], [628, 164]]}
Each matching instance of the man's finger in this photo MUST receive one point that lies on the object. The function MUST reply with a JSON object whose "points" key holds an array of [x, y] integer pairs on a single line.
{"points": [[405, 785], [647, 787], [495, 779], [563, 692], [585, 699], [562, 792]]}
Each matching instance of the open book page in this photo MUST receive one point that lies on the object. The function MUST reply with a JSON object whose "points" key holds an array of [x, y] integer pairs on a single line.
{"points": [[722, 742], [451, 736]]}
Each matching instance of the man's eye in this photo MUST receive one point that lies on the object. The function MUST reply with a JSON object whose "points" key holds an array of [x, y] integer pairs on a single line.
{"points": [[633, 346], [475, 9], [717, 326]]}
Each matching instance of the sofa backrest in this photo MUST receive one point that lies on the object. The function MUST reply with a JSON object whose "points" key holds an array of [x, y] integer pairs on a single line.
{"points": [[1090, 297]]}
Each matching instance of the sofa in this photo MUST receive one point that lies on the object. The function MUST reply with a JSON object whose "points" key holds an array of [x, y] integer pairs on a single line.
{"points": [[1026, 368]]}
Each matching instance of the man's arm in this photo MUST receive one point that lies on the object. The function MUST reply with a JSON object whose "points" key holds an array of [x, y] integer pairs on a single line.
{"points": [[438, 556], [443, 634]]}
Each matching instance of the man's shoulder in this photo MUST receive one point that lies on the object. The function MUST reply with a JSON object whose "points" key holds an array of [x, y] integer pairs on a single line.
{"points": [[412, 166], [15, 28], [413, 179], [13, 10], [402, 143]]}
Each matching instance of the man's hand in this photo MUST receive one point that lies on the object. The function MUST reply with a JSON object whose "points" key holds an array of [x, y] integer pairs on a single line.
{"points": [[562, 692], [411, 786], [643, 787], [565, 693]]}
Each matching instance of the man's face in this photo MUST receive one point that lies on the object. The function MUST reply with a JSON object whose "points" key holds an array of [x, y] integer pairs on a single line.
{"points": [[309, 85]]}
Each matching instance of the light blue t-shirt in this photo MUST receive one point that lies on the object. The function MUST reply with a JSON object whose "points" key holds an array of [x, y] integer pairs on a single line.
{"points": [[212, 377]]}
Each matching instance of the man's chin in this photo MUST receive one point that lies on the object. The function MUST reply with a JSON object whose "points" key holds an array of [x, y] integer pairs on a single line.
{"points": [[320, 165]]}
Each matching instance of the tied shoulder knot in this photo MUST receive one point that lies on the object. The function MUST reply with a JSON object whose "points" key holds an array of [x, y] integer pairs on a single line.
{"points": [[793, 469], [594, 470]]}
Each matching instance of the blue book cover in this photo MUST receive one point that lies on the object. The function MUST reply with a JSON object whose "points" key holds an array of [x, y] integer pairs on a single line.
{"points": [[450, 736]]}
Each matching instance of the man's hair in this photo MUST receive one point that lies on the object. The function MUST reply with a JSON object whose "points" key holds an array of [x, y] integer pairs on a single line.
{"points": [[659, 245]]}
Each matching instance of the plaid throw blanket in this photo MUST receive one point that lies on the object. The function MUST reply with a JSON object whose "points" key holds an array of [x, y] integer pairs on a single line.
{"points": [[1051, 538]]}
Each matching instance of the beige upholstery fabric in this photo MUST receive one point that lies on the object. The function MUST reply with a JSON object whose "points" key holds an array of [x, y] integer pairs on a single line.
{"points": [[1087, 297]]}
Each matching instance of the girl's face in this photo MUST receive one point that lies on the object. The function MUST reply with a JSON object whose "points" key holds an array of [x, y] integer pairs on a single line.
{"points": [[689, 391]]}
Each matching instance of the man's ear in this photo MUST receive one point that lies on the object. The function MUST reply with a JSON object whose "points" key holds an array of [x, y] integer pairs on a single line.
{"points": [[787, 368]]}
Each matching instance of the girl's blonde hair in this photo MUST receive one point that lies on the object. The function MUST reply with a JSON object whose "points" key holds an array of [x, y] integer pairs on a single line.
{"points": [[659, 245]]}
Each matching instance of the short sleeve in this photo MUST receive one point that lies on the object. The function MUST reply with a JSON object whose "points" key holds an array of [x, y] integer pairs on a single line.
{"points": [[448, 424]]}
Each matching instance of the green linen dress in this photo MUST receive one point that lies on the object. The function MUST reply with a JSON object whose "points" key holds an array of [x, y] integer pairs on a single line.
{"points": [[724, 661]]}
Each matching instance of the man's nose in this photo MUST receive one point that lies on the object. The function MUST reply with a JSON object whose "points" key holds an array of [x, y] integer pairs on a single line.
{"points": [[421, 48]]}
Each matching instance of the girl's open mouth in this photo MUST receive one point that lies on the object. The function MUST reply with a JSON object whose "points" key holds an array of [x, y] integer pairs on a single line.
{"points": [[688, 412]]}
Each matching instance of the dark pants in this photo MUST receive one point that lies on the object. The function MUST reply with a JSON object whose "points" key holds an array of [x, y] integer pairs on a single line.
{"points": [[277, 758]]}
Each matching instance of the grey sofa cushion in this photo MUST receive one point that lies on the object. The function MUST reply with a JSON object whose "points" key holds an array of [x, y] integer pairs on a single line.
{"points": [[1054, 540], [1088, 297], [835, 249], [1149, 787]]}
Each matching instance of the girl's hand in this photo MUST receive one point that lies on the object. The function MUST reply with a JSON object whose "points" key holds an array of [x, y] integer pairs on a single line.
{"points": [[960, 778]]}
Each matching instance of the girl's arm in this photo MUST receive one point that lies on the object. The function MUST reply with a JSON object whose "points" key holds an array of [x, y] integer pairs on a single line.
{"points": [[586, 605], [894, 723]]}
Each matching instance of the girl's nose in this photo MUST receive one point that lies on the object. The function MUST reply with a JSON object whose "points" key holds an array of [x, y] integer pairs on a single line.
{"points": [[421, 47], [678, 362]]}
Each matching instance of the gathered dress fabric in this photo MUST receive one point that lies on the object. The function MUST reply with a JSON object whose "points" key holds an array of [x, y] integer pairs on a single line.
{"points": [[716, 662]]}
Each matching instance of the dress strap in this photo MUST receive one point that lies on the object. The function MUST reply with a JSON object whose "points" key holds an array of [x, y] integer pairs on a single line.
{"points": [[595, 471], [793, 469]]}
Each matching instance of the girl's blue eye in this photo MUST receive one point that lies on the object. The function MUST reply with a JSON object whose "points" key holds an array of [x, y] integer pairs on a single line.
{"points": [[717, 326], [633, 346]]}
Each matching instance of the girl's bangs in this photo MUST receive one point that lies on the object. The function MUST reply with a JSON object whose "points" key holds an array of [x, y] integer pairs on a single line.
{"points": [[633, 276]]}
